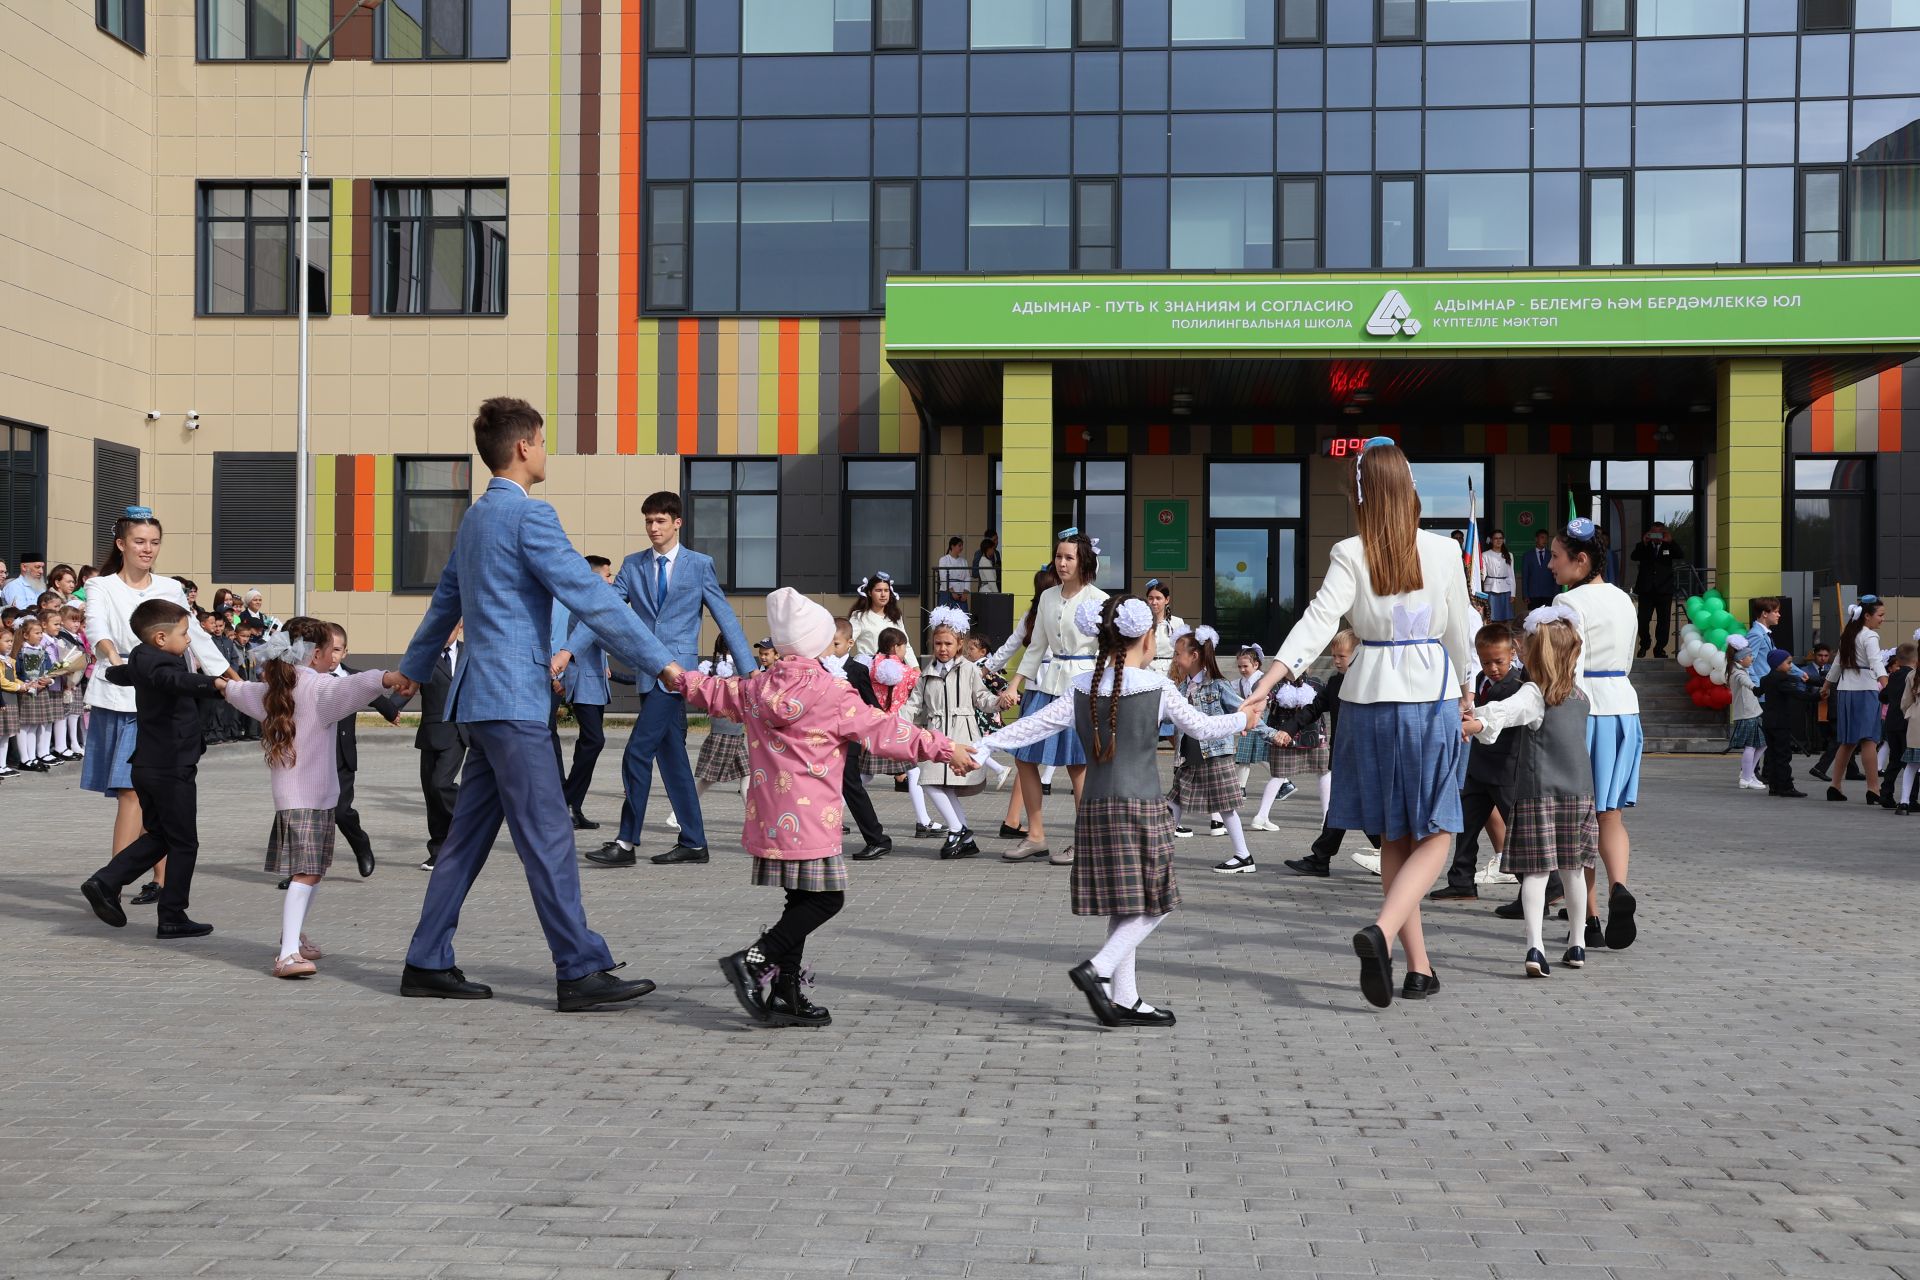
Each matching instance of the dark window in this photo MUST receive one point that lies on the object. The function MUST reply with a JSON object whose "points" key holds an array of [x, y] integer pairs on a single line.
{"points": [[806, 26], [879, 520], [1884, 213], [247, 262], [1021, 24], [1096, 503], [1478, 20], [896, 24], [667, 247], [1299, 224], [1821, 218], [1609, 17], [1826, 15], [440, 250], [23, 487], [804, 247], [1398, 19], [668, 27], [442, 30], [1299, 22], [733, 515], [894, 220], [1096, 24], [1397, 222], [124, 20], [431, 497], [252, 531], [116, 486], [1096, 229], [260, 30], [1833, 530], [1609, 228]]}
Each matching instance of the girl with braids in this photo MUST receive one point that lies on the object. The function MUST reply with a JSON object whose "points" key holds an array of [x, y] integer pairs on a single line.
{"points": [[1609, 629], [298, 708], [1205, 781], [1123, 831]]}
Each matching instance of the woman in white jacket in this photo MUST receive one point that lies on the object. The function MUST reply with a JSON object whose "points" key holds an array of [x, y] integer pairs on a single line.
{"points": [[1496, 577]]}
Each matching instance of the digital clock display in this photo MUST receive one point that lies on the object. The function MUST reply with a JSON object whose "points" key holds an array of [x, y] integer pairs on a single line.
{"points": [[1343, 446]]}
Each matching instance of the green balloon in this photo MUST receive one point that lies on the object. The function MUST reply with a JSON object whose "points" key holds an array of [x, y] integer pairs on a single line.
{"points": [[1717, 638], [1694, 605], [1714, 598]]}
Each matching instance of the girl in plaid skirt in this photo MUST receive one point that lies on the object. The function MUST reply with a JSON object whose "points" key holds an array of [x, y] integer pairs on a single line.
{"points": [[1744, 734], [37, 668], [894, 679], [1554, 827], [723, 757], [1251, 748], [1203, 779], [1297, 741], [1123, 829]]}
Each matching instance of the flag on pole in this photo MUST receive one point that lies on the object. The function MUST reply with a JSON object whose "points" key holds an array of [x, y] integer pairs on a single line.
{"points": [[1472, 549], [1573, 512]]}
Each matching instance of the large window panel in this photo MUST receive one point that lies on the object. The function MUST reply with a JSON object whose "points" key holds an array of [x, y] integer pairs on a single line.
{"points": [[804, 246], [805, 86], [1770, 133], [1449, 20], [1690, 17], [1823, 131], [247, 265], [1479, 139], [1689, 70], [442, 30], [1297, 77], [1477, 219], [1887, 128], [1609, 133], [1298, 141], [430, 500], [1349, 221], [1398, 76], [1556, 219], [880, 520], [1396, 139], [1299, 224], [1096, 226], [805, 148], [1020, 226], [1022, 24], [1221, 143], [1870, 15], [716, 247], [1008, 83], [1143, 224], [1833, 528], [1609, 71], [1885, 207], [260, 30], [895, 223], [667, 247], [1820, 221], [1474, 77], [1299, 21], [1444, 490], [1608, 226], [1686, 216], [805, 26], [1769, 215], [1017, 146], [1098, 502], [1694, 135], [1222, 22], [1556, 138], [1222, 80], [1221, 223], [1773, 64], [440, 250], [733, 515], [1823, 66]]}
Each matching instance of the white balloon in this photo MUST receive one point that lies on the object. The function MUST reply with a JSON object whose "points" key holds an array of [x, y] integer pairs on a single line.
{"points": [[1688, 652], [1701, 667], [1718, 677], [1689, 632]]}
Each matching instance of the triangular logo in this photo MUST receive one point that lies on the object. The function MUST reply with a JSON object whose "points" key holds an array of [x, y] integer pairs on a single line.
{"points": [[1393, 316]]}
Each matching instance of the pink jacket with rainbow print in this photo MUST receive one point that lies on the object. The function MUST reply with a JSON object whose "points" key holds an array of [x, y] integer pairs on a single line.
{"points": [[799, 719]]}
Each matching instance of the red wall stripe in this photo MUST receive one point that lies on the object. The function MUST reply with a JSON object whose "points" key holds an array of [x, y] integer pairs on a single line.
{"points": [[789, 441], [1890, 397], [687, 407]]}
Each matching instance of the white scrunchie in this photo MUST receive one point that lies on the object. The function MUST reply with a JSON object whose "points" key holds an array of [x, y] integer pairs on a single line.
{"points": [[1086, 618], [1206, 635], [278, 648], [1551, 613], [889, 671], [1855, 613], [950, 616], [1294, 695]]}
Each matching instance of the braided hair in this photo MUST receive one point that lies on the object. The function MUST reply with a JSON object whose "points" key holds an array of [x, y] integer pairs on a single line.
{"points": [[1113, 648], [1593, 547]]}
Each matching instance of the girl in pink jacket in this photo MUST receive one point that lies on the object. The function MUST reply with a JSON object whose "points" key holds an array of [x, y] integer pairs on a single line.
{"points": [[800, 722]]}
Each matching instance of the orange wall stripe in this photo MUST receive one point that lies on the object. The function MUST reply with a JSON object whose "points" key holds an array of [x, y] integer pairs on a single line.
{"points": [[627, 396], [789, 438], [1823, 424], [687, 393], [1890, 394], [363, 483]]}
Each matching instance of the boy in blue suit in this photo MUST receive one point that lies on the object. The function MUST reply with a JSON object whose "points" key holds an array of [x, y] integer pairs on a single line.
{"points": [[510, 560], [585, 685], [667, 585]]}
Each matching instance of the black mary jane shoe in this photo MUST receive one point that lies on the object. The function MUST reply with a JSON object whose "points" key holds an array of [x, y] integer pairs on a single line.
{"points": [[1418, 986], [928, 830], [105, 901], [1595, 936], [1575, 958], [958, 844], [174, 929], [1133, 1017], [1621, 930], [1376, 966], [747, 976], [879, 849], [1308, 867], [1094, 988], [596, 989], [282, 886], [441, 984], [1537, 966], [1011, 833], [148, 895], [1046, 788]]}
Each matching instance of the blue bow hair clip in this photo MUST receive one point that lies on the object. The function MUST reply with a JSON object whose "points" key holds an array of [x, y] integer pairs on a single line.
{"points": [[138, 513], [1581, 528], [1152, 583], [1073, 532], [1372, 441]]}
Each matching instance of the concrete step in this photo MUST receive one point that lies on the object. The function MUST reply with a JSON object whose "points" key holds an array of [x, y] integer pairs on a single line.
{"points": [[1666, 744]]}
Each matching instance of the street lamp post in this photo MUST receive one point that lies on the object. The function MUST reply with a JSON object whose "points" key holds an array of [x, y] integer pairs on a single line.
{"points": [[300, 478]]}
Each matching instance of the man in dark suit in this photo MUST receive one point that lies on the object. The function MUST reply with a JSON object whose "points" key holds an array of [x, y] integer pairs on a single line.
{"points": [[1490, 769], [875, 843], [1537, 582], [443, 749]]}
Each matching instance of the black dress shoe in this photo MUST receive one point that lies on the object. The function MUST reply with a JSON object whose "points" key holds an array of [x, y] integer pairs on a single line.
{"points": [[1854, 774], [679, 853], [597, 989], [1791, 793], [430, 860], [1575, 958], [1820, 773], [284, 882], [746, 975], [1452, 893], [611, 854], [1621, 931], [1376, 966], [365, 862], [1595, 936], [105, 901], [1514, 910], [581, 822], [442, 984], [1094, 988], [148, 895], [1418, 986], [788, 1006], [1836, 795], [182, 929], [878, 849], [900, 783], [1537, 966], [1046, 788], [1011, 833], [1133, 1017], [1308, 867]]}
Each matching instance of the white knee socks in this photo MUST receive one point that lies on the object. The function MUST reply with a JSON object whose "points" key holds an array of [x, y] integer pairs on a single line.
{"points": [[293, 917], [59, 728], [918, 794], [1749, 756], [1246, 771], [1326, 795], [74, 739], [1576, 887], [1236, 833], [1533, 901], [947, 801], [1908, 773], [1267, 798], [1115, 960]]}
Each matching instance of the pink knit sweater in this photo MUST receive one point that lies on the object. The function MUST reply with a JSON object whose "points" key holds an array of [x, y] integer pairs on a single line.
{"points": [[800, 720], [319, 703]]}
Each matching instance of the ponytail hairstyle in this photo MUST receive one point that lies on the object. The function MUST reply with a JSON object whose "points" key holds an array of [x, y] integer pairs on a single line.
{"points": [[1553, 651], [134, 516], [1202, 642], [1043, 581], [1087, 554], [1117, 626], [722, 650], [277, 730], [1386, 507], [890, 640], [1582, 537]]}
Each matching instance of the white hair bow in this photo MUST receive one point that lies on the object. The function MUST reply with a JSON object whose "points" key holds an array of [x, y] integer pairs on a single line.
{"points": [[1086, 618], [950, 616], [1551, 613], [889, 671], [1206, 635], [279, 648], [1133, 618]]}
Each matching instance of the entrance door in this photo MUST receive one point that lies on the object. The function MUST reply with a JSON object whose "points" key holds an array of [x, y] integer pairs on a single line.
{"points": [[1253, 544], [1631, 493]]}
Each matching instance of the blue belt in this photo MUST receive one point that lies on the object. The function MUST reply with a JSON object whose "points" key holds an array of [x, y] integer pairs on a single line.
{"points": [[1072, 657], [1445, 658], [1596, 674]]}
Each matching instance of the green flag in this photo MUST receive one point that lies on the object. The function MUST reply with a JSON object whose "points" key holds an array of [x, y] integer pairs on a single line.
{"points": [[1573, 512]]}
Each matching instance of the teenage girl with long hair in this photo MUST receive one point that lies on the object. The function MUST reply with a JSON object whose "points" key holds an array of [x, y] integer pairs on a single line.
{"points": [[1011, 827], [875, 612], [1854, 681]]}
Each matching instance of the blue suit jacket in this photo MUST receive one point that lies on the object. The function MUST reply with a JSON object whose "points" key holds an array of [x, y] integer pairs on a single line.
{"points": [[585, 679], [511, 560], [676, 621]]}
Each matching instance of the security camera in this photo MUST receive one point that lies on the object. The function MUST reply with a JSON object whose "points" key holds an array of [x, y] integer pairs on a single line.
{"points": [[153, 415], [193, 419]]}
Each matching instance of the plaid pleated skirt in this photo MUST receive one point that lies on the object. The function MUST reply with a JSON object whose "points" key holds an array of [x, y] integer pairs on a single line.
{"points": [[723, 758], [1745, 733], [1212, 786], [301, 843], [9, 721], [1123, 859], [1551, 833], [1300, 762], [1250, 748], [813, 875], [40, 708], [871, 764]]}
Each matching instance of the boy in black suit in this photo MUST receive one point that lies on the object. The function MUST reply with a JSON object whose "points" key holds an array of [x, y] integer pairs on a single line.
{"points": [[442, 746], [1787, 693], [1489, 768], [166, 757]]}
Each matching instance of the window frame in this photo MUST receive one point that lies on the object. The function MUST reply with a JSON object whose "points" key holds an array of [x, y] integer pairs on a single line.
{"points": [[1380, 181], [385, 13], [1282, 40], [906, 583], [1119, 27], [133, 17], [1593, 32], [377, 251], [1851, 175], [1867, 495], [1841, 178], [37, 477], [201, 44], [873, 25], [877, 285], [654, 11], [402, 494], [1846, 24], [1380, 37], [1079, 245], [1212, 525], [319, 301], [1625, 177], [1280, 236], [1075, 495], [729, 582], [648, 298]]}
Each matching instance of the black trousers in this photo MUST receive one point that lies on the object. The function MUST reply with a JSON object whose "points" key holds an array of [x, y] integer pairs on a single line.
{"points": [[1328, 843], [586, 752], [1776, 770], [170, 813], [346, 819], [1659, 611], [440, 787], [853, 789], [1891, 749], [1478, 802], [787, 940]]}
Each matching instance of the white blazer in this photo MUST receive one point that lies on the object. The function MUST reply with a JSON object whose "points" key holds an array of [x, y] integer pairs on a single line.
{"points": [[1398, 659], [1058, 652], [1608, 629]]}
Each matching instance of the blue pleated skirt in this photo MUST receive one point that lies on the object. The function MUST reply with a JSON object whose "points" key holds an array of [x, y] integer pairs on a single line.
{"points": [[108, 764], [1499, 606], [1062, 748], [1398, 768], [1615, 743], [1856, 716]]}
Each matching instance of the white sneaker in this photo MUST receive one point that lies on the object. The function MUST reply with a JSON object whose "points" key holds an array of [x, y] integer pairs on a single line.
{"points": [[1368, 862], [1262, 824], [1752, 784], [1491, 874]]}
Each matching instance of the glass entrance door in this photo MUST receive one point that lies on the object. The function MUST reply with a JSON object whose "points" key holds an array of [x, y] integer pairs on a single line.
{"points": [[1629, 494], [1253, 543]]}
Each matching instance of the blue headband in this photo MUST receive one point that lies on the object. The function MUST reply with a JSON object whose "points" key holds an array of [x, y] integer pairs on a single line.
{"points": [[1581, 528], [139, 513]]}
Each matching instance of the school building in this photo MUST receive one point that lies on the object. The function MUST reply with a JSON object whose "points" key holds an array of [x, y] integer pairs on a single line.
{"points": [[854, 276]]}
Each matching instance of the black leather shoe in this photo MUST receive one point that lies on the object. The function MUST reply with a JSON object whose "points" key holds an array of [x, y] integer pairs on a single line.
{"points": [[1574, 958], [148, 895], [1376, 966], [1011, 833], [365, 862], [1820, 773], [928, 830], [284, 882], [1836, 795], [442, 984], [969, 847], [1595, 936], [1046, 788], [1511, 910], [581, 822], [597, 989], [1094, 988], [1621, 931], [611, 854], [105, 901], [958, 844], [679, 853], [1418, 986], [183, 929], [431, 858], [788, 1006], [1134, 1018], [1537, 966], [1452, 893], [746, 974], [1791, 793], [878, 849], [1307, 867]]}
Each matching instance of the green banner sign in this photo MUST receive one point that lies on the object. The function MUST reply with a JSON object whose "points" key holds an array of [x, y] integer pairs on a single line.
{"points": [[1701, 309], [1164, 536]]}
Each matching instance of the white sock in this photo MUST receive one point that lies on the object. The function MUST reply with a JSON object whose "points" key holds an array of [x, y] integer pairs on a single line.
{"points": [[23, 740], [1267, 798], [1533, 900], [1246, 771], [43, 738], [59, 728], [628, 844], [293, 917], [947, 801], [1124, 935], [1908, 773], [1326, 795], [1575, 883], [1749, 756], [74, 740], [1238, 835], [1046, 775], [918, 794], [1123, 990], [1174, 809]]}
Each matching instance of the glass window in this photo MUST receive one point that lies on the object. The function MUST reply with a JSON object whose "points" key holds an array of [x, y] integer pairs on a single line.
{"points": [[1609, 72], [1221, 223], [893, 234], [1557, 20], [1823, 66], [943, 147], [442, 30], [1019, 226], [1397, 77], [124, 20], [1299, 224], [23, 487], [1299, 21], [1019, 145], [668, 28], [803, 246], [1690, 17], [1004, 83], [1143, 80], [1349, 141], [1096, 82], [1396, 139], [1689, 70], [811, 86], [1143, 224], [1461, 76], [247, 262], [669, 88], [1769, 215], [1349, 77], [1099, 24], [1143, 147], [1350, 23], [896, 86], [716, 247], [1556, 219], [1221, 143], [1609, 137], [1773, 15], [1349, 221], [1479, 20], [1098, 506], [1298, 78], [879, 516], [1477, 219], [1884, 205], [1609, 17], [1556, 138], [1145, 23], [1222, 80], [943, 85], [733, 515], [1772, 66], [1833, 528], [1820, 221], [1096, 231], [1445, 497], [896, 148], [1823, 130], [1607, 223], [1769, 132], [805, 148], [1399, 19], [429, 501], [260, 30], [896, 24], [1826, 15], [716, 86], [1298, 141], [1022, 24], [1693, 135], [1886, 129], [667, 247], [440, 250], [1870, 15], [1479, 139], [1398, 221], [1096, 144], [805, 26], [1686, 216], [1223, 22], [1241, 490], [943, 226]]}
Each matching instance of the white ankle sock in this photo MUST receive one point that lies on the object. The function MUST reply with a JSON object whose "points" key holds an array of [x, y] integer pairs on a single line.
{"points": [[1266, 801], [1576, 887], [1533, 900], [293, 917]]}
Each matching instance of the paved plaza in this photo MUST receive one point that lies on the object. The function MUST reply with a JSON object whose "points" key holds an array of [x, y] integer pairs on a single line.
{"points": [[1735, 1096]]}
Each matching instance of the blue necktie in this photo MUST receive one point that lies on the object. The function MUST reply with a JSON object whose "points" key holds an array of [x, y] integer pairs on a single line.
{"points": [[659, 579]]}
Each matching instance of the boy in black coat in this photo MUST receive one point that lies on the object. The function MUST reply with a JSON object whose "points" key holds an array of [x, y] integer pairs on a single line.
{"points": [[1489, 768], [1786, 692], [166, 757], [1895, 728]]}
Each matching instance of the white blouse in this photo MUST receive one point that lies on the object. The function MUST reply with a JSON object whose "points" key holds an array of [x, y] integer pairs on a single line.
{"points": [[1526, 708], [1058, 651], [1608, 628], [1058, 715], [867, 627], [110, 606], [1414, 647], [1163, 633], [1496, 572], [1870, 657]]}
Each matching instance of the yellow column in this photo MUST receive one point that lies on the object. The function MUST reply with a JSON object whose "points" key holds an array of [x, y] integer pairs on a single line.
{"points": [[1750, 466], [1026, 473]]}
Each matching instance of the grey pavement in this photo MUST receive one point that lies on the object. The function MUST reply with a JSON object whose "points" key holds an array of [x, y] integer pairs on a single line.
{"points": [[1734, 1097]]}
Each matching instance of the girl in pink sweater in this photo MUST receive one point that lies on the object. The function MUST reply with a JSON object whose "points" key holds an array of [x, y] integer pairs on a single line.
{"points": [[800, 720], [297, 708]]}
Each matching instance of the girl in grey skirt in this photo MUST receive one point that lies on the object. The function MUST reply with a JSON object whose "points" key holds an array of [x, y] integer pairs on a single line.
{"points": [[1123, 829]]}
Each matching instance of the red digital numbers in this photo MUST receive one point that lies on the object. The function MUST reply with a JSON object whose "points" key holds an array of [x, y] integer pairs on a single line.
{"points": [[1344, 446]]}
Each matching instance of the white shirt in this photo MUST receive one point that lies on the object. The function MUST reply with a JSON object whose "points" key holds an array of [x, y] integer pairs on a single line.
{"points": [[1058, 652], [1163, 642], [23, 593], [955, 573], [1871, 659], [1496, 572], [1526, 708], [867, 627], [671, 555], [1058, 715], [110, 606], [1608, 628], [1383, 671], [453, 657]]}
